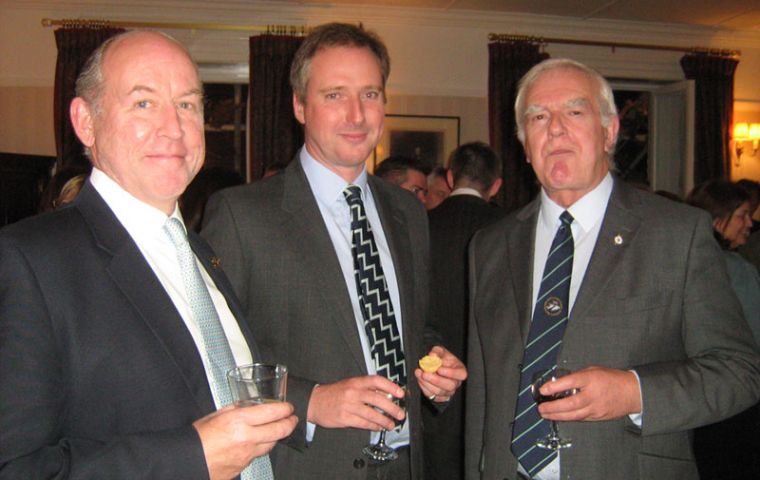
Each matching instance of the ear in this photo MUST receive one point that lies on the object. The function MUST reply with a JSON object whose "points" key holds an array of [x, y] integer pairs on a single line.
{"points": [[450, 179], [298, 110], [494, 188], [611, 134], [718, 225], [82, 120]]}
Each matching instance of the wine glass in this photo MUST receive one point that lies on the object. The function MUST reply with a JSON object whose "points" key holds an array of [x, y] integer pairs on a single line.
{"points": [[552, 441], [380, 452]]}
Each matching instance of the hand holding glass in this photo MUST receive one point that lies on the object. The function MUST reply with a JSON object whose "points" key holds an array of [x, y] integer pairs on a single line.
{"points": [[380, 452], [552, 441], [258, 383]]}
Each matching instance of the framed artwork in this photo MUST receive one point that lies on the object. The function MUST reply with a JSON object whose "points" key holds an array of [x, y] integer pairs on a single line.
{"points": [[428, 138]]}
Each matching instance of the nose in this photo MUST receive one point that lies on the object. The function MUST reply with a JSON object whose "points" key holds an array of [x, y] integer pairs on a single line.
{"points": [[556, 125], [170, 123], [355, 113]]}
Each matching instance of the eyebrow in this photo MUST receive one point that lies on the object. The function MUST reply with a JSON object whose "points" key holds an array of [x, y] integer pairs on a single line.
{"points": [[197, 91], [575, 102]]}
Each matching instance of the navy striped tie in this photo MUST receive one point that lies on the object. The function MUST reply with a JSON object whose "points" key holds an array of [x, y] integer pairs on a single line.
{"points": [[544, 339]]}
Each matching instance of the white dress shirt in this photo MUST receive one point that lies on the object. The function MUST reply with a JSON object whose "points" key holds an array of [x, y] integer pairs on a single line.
{"points": [[144, 224], [328, 188], [588, 213]]}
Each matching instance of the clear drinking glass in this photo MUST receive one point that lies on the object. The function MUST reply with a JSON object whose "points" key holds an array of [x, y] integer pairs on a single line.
{"points": [[258, 383], [552, 441], [380, 452]]}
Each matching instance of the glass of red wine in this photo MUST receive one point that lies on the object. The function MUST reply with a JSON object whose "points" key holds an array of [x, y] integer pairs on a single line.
{"points": [[552, 441], [380, 452]]}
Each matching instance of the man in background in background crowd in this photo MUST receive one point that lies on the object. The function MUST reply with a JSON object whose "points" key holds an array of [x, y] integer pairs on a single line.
{"points": [[438, 188], [332, 265], [475, 173], [407, 173], [106, 360]]}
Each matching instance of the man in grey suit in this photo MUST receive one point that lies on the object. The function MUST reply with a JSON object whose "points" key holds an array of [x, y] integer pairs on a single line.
{"points": [[289, 244], [105, 369], [653, 335]]}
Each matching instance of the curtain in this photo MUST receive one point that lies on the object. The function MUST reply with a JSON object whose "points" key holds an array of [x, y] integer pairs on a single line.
{"points": [[274, 135], [714, 98], [508, 61], [75, 45]]}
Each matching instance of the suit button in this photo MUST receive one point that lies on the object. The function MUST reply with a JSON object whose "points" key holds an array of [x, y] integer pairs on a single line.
{"points": [[358, 463]]}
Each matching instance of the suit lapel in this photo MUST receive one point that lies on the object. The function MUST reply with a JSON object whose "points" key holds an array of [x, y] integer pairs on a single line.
{"points": [[395, 228], [303, 223], [618, 230], [134, 277], [211, 263], [520, 243]]}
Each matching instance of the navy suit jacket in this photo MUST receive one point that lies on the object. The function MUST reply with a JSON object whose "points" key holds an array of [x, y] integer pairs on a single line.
{"points": [[99, 376]]}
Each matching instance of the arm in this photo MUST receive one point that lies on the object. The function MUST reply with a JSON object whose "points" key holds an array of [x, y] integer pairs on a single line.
{"points": [[476, 391], [37, 439]]}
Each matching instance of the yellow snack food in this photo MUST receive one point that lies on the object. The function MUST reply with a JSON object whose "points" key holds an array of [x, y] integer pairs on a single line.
{"points": [[430, 363]]}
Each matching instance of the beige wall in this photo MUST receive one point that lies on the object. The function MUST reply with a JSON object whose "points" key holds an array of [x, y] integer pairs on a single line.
{"points": [[26, 120], [440, 58]]}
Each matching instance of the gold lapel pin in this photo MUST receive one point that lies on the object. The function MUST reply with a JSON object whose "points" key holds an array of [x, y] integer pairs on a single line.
{"points": [[215, 262], [618, 239]]}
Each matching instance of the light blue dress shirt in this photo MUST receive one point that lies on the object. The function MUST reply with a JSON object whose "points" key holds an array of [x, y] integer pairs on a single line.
{"points": [[327, 187]]}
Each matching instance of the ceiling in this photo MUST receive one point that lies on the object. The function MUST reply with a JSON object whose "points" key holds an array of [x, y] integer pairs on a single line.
{"points": [[731, 14]]}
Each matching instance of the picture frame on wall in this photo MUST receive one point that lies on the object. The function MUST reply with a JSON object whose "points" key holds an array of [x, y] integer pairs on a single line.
{"points": [[428, 138]]}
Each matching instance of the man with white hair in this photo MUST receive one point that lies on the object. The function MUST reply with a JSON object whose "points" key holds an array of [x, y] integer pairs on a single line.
{"points": [[623, 289]]}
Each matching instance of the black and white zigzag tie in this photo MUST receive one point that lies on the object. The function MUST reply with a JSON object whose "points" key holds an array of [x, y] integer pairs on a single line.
{"points": [[544, 340], [217, 347], [374, 300]]}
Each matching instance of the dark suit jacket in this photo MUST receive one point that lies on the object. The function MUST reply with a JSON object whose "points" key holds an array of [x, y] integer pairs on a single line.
{"points": [[658, 302], [99, 377], [275, 247], [452, 224]]}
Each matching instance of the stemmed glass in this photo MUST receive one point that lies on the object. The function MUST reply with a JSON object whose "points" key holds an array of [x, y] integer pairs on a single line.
{"points": [[380, 452], [552, 441]]}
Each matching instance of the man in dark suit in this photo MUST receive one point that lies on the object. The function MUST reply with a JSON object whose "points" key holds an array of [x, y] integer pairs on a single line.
{"points": [[631, 296], [475, 175], [291, 246], [105, 372]]}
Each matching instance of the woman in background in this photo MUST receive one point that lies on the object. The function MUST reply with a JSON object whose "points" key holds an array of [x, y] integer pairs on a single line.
{"points": [[729, 206]]}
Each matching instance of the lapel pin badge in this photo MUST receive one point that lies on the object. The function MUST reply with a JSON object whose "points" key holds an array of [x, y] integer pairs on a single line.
{"points": [[618, 239], [215, 262]]}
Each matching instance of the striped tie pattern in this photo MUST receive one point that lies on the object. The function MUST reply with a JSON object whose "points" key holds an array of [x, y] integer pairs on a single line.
{"points": [[217, 347], [544, 340], [374, 300]]}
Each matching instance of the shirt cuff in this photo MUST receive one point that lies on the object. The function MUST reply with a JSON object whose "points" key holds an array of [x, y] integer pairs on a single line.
{"points": [[638, 418]]}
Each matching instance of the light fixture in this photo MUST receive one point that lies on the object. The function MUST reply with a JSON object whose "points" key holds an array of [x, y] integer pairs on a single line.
{"points": [[746, 132]]}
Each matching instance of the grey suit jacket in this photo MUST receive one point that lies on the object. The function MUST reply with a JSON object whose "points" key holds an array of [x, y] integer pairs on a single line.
{"points": [[99, 376], [658, 302], [275, 247]]}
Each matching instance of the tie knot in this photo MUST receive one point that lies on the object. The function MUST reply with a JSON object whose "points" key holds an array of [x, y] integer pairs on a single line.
{"points": [[566, 218], [176, 232], [353, 194]]}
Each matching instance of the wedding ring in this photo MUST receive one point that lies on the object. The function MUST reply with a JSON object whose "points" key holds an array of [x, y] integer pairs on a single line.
{"points": [[432, 397]]}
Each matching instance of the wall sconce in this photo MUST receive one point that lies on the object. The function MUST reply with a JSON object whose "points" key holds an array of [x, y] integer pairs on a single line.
{"points": [[746, 132]]}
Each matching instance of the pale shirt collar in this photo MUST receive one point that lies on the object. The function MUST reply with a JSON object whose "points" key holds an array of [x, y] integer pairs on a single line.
{"points": [[327, 185], [465, 191], [137, 217], [587, 211]]}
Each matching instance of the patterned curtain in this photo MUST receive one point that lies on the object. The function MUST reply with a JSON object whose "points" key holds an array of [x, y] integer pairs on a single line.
{"points": [[75, 44], [508, 61], [274, 135], [714, 98]]}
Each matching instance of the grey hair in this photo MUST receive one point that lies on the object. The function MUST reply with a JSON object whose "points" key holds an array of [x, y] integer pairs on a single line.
{"points": [[605, 98]]}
